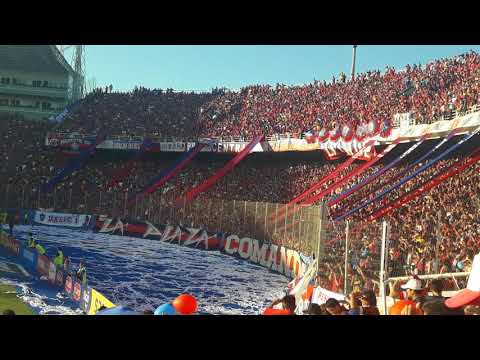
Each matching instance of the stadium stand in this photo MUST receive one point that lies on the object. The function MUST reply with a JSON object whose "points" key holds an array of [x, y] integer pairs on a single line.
{"points": [[429, 92]]}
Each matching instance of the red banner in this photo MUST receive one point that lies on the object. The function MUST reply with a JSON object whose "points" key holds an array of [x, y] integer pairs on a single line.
{"points": [[193, 193], [284, 212], [423, 189], [357, 171]]}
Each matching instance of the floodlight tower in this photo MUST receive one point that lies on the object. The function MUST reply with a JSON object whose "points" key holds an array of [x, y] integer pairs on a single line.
{"points": [[78, 65], [78, 62]]}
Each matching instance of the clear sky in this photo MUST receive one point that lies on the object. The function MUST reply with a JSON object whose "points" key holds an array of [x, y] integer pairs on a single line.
{"points": [[202, 67]]}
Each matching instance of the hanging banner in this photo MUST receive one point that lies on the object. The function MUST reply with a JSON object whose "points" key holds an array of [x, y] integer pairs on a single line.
{"points": [[275, 257], [97, 300], [60, 219], [321, 295]]}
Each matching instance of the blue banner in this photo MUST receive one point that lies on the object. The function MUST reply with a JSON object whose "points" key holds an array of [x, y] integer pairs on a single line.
{"points": [[73, 165]]}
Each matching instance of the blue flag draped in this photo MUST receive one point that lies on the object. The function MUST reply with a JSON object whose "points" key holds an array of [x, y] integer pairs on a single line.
{"points": [[73, 165]]}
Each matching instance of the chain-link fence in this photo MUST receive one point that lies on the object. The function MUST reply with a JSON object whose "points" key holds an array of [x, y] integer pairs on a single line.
{"points": [[351, 256], [296, 227]]}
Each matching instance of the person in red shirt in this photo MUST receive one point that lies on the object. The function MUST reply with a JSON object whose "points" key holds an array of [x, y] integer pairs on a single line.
{"points": [[288, 306]]}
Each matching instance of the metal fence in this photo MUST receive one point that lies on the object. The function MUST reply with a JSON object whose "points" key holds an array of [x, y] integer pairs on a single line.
{"points": [[296, 227], [349, 253], [351, 256]]}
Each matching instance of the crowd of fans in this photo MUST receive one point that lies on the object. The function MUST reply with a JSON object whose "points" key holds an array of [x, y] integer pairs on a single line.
{"points": [[412, 297], [413, 227], [427, 92]]}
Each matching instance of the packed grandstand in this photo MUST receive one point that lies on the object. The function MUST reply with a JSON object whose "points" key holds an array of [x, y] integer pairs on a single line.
{"points": [[441, 90]]}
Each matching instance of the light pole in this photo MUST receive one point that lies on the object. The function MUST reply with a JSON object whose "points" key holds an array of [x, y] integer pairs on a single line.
{"points": [[354, 57]]}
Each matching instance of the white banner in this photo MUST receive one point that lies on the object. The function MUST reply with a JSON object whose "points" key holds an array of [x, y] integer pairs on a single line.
{"points": [[58, 219], [321, 295]]}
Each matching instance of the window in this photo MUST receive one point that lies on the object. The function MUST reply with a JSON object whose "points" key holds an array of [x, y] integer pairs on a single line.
{"points": [[45, 84], [5, 80]]}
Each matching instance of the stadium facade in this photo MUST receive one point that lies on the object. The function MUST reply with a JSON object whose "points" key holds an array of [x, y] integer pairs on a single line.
{"points": [[35, 81]]}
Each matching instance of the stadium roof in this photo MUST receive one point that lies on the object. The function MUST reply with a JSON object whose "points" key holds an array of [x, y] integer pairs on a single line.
{"points": [[45, 58]]}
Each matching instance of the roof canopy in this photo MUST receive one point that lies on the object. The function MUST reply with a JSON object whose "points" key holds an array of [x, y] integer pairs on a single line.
{"points": [[34, 58]]}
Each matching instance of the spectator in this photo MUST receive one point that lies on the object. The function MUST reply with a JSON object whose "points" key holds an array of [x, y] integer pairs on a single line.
{"points": [[414, 291], [369, 303], [288, 306], [436, 288], [82, 273], [471, 294], [333, 307], [315, 309]]}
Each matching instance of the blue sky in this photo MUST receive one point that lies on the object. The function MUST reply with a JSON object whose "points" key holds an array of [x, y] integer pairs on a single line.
{"points": [[202, 67]]}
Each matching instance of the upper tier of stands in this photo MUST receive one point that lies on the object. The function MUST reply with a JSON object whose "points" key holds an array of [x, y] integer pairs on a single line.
{"points": [[428, 92]]}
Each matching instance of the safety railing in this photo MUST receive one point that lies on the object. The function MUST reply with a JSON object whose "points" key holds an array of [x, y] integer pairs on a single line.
{"points": [[295, 227]]}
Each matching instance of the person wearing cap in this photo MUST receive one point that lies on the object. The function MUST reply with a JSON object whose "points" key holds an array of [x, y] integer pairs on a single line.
{"points": [[414, 291], [471, 294]]}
